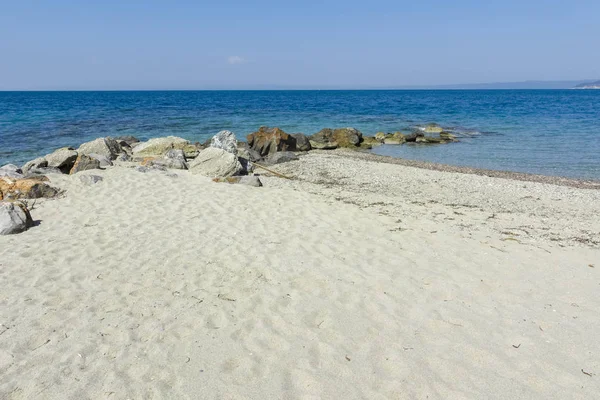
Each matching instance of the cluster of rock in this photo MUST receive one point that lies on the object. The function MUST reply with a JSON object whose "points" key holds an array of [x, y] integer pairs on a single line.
{"points": [[223, 158]]}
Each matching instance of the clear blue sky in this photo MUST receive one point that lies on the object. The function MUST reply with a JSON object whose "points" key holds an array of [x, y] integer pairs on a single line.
{"points": [[151, 44]]}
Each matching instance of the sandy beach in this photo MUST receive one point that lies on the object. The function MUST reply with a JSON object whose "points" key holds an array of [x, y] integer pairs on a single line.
{"points": [[356, 279]]}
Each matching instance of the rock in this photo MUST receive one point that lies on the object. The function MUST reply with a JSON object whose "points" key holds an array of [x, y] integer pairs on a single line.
{"points": [[242, 180], [175, 154], [192, 150], [170, 163], [40, 162], [281, 157], [11, 171], [127, 140], [395, 138], [334, 138], [159, 146], [380, 136], [123, 157], [434, 140], [432, 128], [302, 142], [25, 189], [107, 147], [324, 140], [369, 142], [14, 218], [84, 163], [37, 172], [225, 140], [411, 137], [90, 179], [247, 166], [62, 159], [270, 140], [215, 163], [244, 151], [448, 136], [103, 160]]}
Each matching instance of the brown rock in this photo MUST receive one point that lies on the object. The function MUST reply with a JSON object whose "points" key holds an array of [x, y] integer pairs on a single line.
{"points": [[270, 140], [25, 189], [84, 163]]}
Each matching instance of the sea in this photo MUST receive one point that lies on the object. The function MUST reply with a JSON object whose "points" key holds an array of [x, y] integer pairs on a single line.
{"points": [[547, 132]]}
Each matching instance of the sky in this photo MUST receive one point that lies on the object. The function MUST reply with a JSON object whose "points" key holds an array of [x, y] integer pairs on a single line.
{"points": [[253, 44]]}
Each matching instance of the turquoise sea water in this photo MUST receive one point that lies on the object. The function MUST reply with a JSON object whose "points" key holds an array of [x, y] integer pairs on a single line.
{"points": [[550, 132]]}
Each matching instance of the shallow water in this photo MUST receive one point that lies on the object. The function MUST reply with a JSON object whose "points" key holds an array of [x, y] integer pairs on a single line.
{"points": [[550, 132]]}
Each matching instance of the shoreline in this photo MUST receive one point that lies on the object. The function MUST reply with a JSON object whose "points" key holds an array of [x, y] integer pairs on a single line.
{"points": [[504, 174]]}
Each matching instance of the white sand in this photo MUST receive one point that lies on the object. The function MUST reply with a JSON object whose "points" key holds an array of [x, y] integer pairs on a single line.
{"points": [[146, 286]]}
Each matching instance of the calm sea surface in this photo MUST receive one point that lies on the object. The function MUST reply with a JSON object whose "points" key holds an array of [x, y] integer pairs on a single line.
{"points": [[550, 132]]}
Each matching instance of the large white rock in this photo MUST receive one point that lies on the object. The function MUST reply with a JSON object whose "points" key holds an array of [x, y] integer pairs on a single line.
{"points": [[14, 218], [159, 146], [215, 163], [107, 147], [11, 171], [225, 140]]}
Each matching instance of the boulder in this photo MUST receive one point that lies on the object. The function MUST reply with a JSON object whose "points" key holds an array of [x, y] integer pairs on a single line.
{"points": [[215, 163], [175, 154], [244, 151], [37, 172], [84, 163], [90, 179], [159, 146], [103, 160], [62, 159], [192, 150], [25, 189], [281, 157], [324, 140], [242, 180], [448, 136], [40, 162], [302, 142], [14, 218], [432, 128], [169, 163], [334, 138], [270, 140], [225, 140], [380, 136], [411, 137], [395, 138], [127, 140], [123, 157], [107, 147], [11, 171], [370, 141]]}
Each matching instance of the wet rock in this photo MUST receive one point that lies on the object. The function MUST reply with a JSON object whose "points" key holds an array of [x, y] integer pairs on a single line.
{"points": [[14, 218], [215, 163], [432, 128], [324, 140], [84, 163], [270, 140], [90, 179], [107, 147], [62, 159], [281, 157], [242, 180], [27, 188], [380, 136], [448, 136], [159, 146], [395, 138], [225, 140], [302, 142]]}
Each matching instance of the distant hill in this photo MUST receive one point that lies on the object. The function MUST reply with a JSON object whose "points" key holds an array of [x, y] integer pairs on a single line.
{"points": [[588, 85]]}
